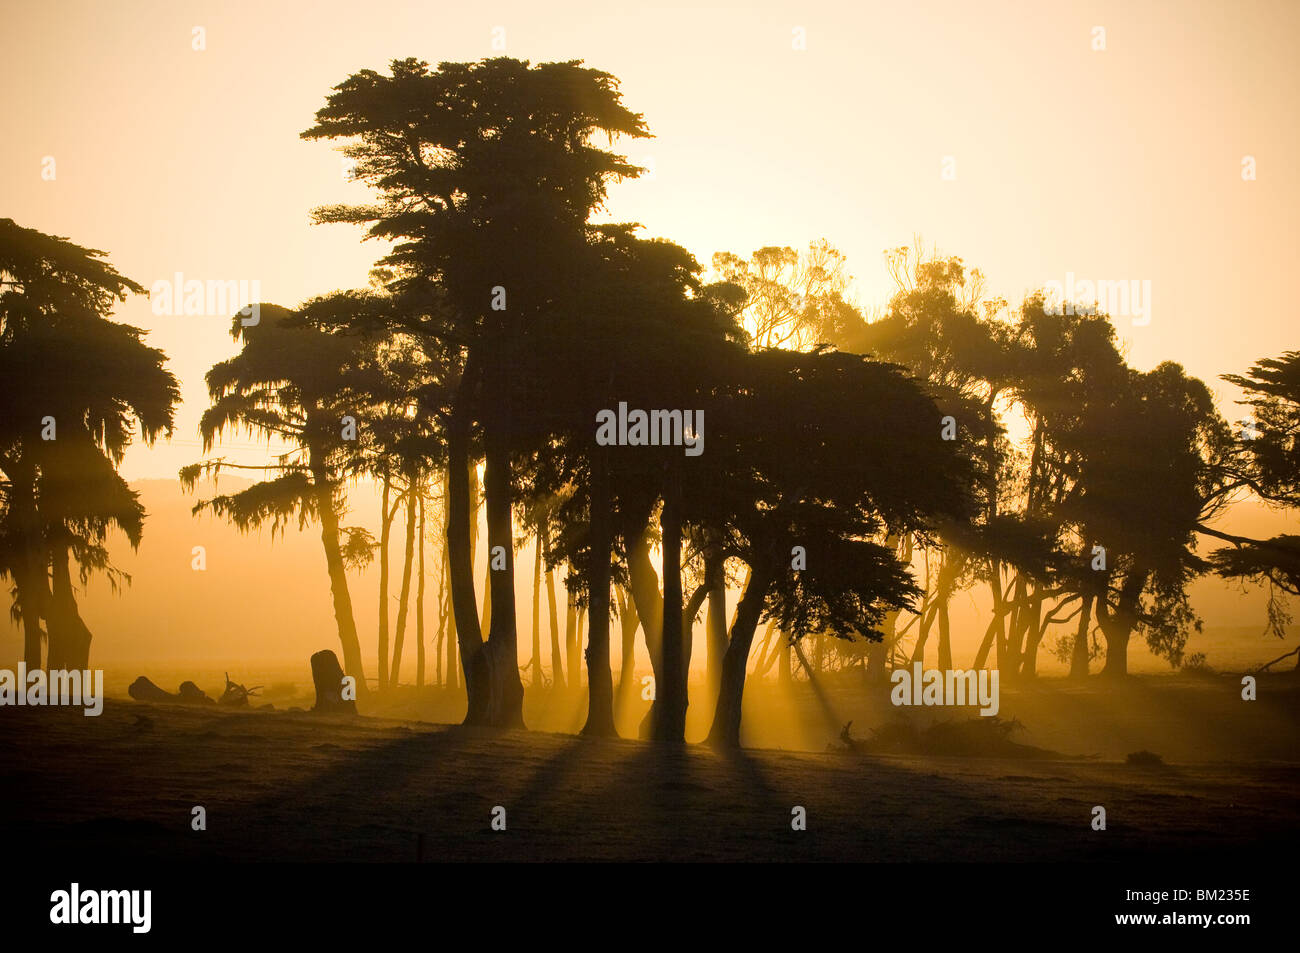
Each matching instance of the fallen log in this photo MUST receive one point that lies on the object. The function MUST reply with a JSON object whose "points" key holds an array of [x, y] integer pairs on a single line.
{"points": [[143, 690]]}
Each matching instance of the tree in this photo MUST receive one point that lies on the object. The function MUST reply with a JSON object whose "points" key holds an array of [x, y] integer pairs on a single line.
{"points": [[73, 388], [1150, 458], [641, 331], [1266, 462], [1060, 369], [792, 299], [830, 453], [487, 176], [939, 326], [402, 451], [294, 382]]}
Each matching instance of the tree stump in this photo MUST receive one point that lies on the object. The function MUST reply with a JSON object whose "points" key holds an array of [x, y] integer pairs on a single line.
{"points": [[328, 676]]}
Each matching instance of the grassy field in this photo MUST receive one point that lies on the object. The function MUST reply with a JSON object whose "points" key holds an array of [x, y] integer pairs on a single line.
{"points": [[287, 785]]}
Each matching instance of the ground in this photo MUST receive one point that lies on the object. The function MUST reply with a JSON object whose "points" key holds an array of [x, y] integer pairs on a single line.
{"points": [[281, 785]]}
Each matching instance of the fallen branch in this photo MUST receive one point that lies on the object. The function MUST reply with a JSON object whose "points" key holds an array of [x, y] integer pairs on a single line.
{"points": [[236, 694], [1265, 667]]}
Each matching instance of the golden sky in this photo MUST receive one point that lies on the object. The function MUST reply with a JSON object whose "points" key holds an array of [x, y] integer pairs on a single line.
{"points": [[1116, 164]]}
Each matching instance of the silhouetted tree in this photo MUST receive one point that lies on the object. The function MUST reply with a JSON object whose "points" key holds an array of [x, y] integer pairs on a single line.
{"points": [[793, 299], [1062, 368], [939, 326], [1149, 460], [1266, 462], [640, 330], [832, 453], [294, 382], [73, 387], [488, 176]]}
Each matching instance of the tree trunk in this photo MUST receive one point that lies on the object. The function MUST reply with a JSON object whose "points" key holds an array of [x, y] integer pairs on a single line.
{"points": [[69, 639], [670, 688], [343, 617], [1117, 626], [1034, 636], [438, 639], [928, 615], [385, 533], [32, 559], [32, 596], [537, 612], [877, 652], [571, 643], [553, 618], [582, 627], [460, 567], [1009, 658], [1079, 655], [451, 667], [1000, 634], [725, 732], [419, 608], [1117, 639], [408, 559], [689, 612], [944, 585], [505, 689], [991, 634], [945, 642], [715, 624], [628, 623], [644, 586], [486, 621], [769, 650], [600, 685]]}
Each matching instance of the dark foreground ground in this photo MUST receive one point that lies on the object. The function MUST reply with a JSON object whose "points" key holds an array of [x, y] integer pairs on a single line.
{"points": [[291, 786]]}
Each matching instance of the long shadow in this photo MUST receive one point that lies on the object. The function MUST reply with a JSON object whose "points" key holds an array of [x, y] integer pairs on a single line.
{"points": [[327, 789], [832, 719], [365, 805]]}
